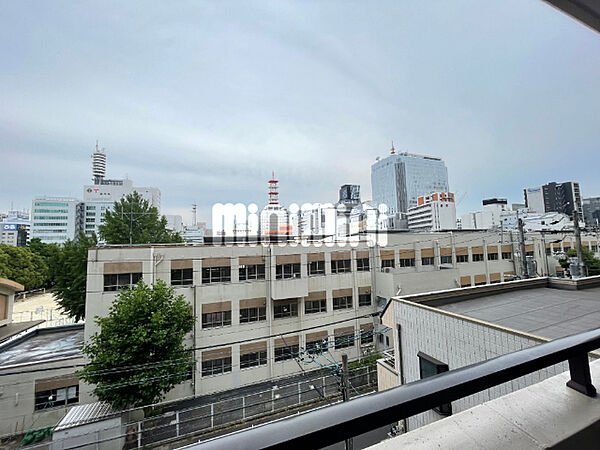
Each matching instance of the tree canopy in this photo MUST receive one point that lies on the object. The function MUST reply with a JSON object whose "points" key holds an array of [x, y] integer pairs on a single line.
{"points": [[133, 220], [139, 355], [589, 259], [22, 265], [71, 275], [51, 255]]}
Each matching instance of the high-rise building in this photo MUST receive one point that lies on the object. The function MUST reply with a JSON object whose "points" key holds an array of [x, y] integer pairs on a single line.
{"points": [[400, 179], [591, 211], [554, 197], [100, 196], [434, 212], [56, 219]]}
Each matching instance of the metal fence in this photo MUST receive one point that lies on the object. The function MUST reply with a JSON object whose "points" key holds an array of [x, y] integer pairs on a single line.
{"points": [[189, 423], [53, 317]]}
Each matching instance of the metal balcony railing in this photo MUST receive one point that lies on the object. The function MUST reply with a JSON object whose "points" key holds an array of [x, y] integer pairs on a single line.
{"points": [[335, 423]]}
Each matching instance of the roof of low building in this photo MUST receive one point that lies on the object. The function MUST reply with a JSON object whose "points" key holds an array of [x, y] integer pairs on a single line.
{"points": [[43, 345], [543, 311], [12, 329], [13, 285]]}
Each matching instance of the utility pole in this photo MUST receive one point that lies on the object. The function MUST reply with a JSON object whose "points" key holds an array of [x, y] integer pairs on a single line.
{"points": [[345, 397], [582, 268], [522, 248]]}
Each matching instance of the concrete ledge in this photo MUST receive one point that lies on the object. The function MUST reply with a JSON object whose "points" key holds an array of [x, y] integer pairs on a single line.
{"points": [[545, 415]]}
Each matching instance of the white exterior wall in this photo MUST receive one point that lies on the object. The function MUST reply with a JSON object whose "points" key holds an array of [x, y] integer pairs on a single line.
{"points": [[17, 413], [458, 342], [54, 219], [535, 200]]}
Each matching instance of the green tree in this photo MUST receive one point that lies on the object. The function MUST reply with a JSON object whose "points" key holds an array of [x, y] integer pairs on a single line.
{"points": [[139, 355], [70, 276], [51, 255], [20, 264], [133, 220], [589, 259]]}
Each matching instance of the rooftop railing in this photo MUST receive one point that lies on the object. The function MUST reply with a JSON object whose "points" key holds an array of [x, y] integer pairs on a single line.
{"points": [[328, 425]]}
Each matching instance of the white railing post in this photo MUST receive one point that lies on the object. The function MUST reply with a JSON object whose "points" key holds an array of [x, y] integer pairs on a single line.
{"points": [[177, 423], [212, 415]]}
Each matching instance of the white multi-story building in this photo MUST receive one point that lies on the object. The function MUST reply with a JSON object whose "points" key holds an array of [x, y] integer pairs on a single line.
{"points": [[257, 306], [100, 196], [489, 218], [15, 228], [434, 212], [56, 219]]}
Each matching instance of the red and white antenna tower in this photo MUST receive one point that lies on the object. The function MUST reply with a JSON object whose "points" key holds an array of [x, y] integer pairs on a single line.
{"points": [[273, 190], [393, 150]]}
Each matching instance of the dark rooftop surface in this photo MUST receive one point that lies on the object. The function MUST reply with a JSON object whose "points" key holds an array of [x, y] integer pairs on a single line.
{"points": [[14, 328], [544, 312], [43, 345]]}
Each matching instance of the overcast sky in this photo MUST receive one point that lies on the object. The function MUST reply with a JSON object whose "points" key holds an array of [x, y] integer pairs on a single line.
{"points": [[204, 99]]}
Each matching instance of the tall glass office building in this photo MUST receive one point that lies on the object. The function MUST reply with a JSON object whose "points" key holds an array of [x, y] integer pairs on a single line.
{"points": [[401, 178]]}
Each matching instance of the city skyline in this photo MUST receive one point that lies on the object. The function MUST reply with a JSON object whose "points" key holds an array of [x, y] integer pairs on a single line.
{"points": [[204, 103]]}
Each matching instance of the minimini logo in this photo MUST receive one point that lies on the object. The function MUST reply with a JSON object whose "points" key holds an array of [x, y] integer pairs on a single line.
{"points": [[236, 223]]}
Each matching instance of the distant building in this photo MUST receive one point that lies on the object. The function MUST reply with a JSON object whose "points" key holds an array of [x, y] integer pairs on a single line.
{"points": [[488, 218], [15, 228], [554, 197], [101, 196], [274, 218], [56, 219], [591, 211], [400, 179], [434, 212], [174, 222]]}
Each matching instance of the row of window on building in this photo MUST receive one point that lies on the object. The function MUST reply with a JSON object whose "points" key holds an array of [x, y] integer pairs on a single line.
{"points": [[216, 362]]}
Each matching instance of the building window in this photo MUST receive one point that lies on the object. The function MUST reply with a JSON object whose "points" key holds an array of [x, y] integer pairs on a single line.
{"points": [[342, 302], [340, 266], [116, 281], [252, 272], [344, 341], [315, 306], [362, 264], [528, 253], [366, 336], [364, 299], [283, 310], [477, 257], [594, 248], [284, 271], [216, 274], [566, 248], [216, 319], [446, 259], [387, 263], [462, 258], [253, 314], [55, 398], [216, 366], [506, 255], [427, 261], [407, 262], [429, 367], [253, 359], [182, 277], [319, 346], [316, 268], [284, 353], [492, 256], [548, 251]]}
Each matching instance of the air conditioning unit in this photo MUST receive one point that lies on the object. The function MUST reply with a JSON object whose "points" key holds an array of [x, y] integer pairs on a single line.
{"points": [[387, 270]]}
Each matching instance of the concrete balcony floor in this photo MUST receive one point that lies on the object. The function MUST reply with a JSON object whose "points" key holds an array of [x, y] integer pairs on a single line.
{"points": [[545, 415]]}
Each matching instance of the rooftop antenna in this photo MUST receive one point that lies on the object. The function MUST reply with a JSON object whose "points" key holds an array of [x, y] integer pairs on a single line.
{"points": [[273, 190], [194, 209], [393, 152]]}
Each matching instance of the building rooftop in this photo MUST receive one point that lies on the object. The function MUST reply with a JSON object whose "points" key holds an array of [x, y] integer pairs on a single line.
{"points": [[43, 345], [546, 312]]}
